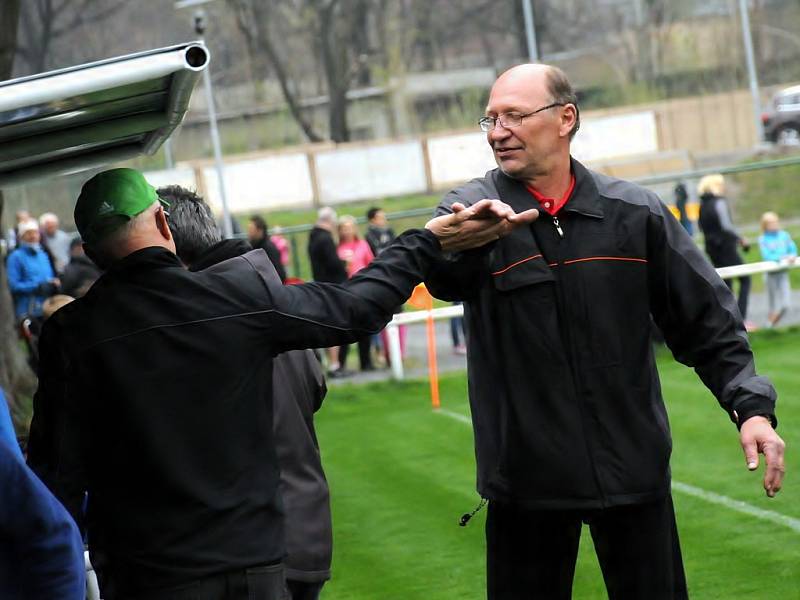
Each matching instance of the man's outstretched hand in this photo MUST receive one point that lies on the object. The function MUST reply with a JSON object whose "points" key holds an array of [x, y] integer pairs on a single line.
{"points": [[758, 436], [476, 225]]}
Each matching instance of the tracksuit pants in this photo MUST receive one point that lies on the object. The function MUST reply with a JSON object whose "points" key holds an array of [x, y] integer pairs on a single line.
{"points": [[532, 553]]}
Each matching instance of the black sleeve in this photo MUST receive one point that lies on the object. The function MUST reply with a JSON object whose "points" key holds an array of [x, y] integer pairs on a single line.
{"points": [[319, 315], [453, 276], [59, 430], [698, 316]]}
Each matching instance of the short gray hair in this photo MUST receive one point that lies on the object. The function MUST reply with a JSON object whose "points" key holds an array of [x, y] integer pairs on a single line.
{"points": [[561, 90], [327, 215], [191, 222]]}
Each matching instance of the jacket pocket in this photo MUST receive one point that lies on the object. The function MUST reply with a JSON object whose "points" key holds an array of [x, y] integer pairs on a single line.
{"points": [[522, 272]]}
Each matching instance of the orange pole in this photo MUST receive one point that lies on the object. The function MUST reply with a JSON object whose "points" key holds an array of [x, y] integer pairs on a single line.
{"points": [[433, 371]]}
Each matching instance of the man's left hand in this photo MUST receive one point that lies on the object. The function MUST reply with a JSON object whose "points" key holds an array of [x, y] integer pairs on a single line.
{"points": [[476, 225], [758, 436]]}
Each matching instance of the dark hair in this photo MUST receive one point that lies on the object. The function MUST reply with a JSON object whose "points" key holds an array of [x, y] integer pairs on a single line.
{"points": [[372, 212], [561, 91], [75, 242], [260, 223], [191, 222]]}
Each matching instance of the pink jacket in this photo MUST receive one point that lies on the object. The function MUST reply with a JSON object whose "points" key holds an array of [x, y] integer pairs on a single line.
{"points": [[356, 255]]}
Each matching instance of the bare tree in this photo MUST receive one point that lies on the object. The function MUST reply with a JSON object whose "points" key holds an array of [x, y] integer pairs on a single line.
{"points": [[14, 373], [253, 19], [44, 22], [337, 31]]}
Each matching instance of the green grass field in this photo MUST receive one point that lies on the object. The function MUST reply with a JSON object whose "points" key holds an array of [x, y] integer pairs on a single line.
{"points": [[401, 475]]}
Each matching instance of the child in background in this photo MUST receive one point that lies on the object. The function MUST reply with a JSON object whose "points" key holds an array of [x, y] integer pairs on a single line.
{"points": [[776, 245]]}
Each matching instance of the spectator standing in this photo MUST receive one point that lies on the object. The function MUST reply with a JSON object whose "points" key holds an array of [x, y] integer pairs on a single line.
{"points": [[30, 273], [282, 244], [722, 240], [56, 240], [681, 199], [777, 245], [356, 254], [298, 388], [12, 235], [257, 234], [80, 273], [457, 334], [570, 426], [379, 234], [327, 267]]}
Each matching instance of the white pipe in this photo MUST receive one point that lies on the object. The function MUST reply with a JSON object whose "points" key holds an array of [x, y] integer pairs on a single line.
{"points": [[395, 351]]}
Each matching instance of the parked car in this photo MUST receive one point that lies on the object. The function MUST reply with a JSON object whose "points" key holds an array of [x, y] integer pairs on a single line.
{"points": [[782, 121]]}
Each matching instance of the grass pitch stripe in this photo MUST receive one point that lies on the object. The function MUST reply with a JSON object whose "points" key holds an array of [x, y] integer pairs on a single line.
{"points": [[454, 415], [737, 505], [690, 490]]}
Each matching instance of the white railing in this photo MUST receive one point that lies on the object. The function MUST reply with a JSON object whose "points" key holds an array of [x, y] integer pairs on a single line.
{"points": [[448, 312]]}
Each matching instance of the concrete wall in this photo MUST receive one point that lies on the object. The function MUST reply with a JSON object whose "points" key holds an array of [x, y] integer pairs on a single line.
{"points": [[328, 174]]}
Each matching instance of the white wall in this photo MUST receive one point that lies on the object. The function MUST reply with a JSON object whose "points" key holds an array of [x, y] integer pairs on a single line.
{"points": [[459, 158], [374, 170], [616, 136], [370, 172], [262, 184]]}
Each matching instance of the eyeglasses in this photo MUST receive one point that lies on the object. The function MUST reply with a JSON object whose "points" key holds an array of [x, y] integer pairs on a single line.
{"points": [[511, 119]]}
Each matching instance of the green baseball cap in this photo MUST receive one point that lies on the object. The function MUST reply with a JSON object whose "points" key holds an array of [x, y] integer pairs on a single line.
{"points": [[109, 200]]}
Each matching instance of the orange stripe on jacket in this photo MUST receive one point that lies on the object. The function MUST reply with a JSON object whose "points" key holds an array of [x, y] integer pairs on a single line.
{"points": [[589, 258], [516, 264]]}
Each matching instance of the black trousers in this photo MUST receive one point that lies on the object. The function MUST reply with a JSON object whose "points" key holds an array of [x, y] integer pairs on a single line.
{"points": [[259, 583], [532, 554], [364, 356], [304, 590]]}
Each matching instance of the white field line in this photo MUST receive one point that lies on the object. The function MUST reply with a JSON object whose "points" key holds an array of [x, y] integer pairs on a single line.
{"points": [[690, 490]]}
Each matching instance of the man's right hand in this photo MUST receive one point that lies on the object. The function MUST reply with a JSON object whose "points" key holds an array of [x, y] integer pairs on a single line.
{"points": [[476, 225]]}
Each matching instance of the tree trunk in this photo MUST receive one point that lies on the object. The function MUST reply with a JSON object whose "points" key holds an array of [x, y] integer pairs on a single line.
{"points": [[15, 377], [252, 18], [335, 64]]}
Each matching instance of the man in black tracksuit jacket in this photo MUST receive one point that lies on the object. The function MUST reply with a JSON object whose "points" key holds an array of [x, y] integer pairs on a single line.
{"points": [[152, 393], [298, 389], [569, 421]]}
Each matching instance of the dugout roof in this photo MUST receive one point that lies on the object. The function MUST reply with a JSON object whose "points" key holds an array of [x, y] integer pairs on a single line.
{"points": [[83, 117]]}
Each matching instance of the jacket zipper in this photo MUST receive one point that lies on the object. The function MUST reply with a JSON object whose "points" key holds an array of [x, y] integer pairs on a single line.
{"points": [[575, 376], [558, 227]]}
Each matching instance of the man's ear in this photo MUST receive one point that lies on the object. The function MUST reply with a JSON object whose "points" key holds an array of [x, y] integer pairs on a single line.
{"points": [[162, 224], [568, 117]]}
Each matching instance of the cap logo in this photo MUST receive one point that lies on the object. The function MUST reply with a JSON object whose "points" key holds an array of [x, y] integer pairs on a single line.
{"points": [[105, 208]]}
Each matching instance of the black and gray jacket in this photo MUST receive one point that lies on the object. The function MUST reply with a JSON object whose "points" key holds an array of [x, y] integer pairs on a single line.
{"points": [[155, 397], [298, 389], [565, 397]]}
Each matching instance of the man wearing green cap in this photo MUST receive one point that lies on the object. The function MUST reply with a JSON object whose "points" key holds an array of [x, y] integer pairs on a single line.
{"points": [[151, 391]]}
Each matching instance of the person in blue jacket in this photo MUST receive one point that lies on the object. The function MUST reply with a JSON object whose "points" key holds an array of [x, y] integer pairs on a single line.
{"points": [[41, 553], [777, 245], [7, 433], [30, 273]]}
